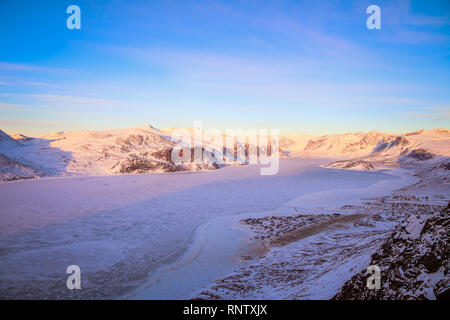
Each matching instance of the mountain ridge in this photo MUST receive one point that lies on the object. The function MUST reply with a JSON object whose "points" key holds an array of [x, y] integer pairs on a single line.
{"points": [[145, 148]]}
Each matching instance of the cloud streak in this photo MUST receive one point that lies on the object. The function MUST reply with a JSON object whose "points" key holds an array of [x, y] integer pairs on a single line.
{"points": [[32, 68]]}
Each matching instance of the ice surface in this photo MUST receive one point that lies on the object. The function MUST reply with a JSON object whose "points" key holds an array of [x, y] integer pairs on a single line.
{"points": [[119, 229]]}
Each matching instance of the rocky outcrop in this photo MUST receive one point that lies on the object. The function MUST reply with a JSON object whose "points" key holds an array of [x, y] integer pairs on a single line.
{"points": [[163, 154], [140, 141], [421, 154], [391, 143], [315, 144], [414, 262], [351, 165], [11, 169], [368, 140], [138, 164], [444, 166], [161, 161]]}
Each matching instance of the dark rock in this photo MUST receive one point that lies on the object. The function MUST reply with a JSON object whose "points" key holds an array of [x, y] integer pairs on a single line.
{"points": [[421, 154], [431, 262]]}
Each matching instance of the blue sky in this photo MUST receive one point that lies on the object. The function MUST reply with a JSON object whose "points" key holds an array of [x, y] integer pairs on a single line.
{"points": [[300, 66]]}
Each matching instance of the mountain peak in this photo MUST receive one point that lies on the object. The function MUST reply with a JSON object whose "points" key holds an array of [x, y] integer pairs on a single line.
{"points": [[7, 141], [19, 136]]}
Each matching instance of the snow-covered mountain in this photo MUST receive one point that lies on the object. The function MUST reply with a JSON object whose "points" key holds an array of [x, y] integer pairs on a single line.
{"points": [[416, 150], [10, 168], [7, 142], [147, 149], [336, 145], [352, 145], [132, 150]]}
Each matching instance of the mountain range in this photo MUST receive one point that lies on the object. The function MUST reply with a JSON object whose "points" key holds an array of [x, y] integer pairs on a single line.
{"points": [[147, 149]]}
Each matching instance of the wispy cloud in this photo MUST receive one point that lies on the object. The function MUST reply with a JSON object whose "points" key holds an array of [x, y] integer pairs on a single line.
{"points": [[407, 36], [439, 113], [32, 68], [14, 81], [38, 127], [60, 98]]}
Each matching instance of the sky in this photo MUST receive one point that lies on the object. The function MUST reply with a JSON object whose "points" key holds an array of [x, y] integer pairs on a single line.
{"points": [[306, 67]]}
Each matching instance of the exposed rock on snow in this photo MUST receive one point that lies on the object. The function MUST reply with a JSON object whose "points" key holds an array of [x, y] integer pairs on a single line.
{"points": [[351, 165], [139, 164], [391, 143], [374, 145], [415, 150], [10, 168], [337, 145], [14, 170], [160, 161], [421, 154], [414, 262], [444, 166], [270, 228]]}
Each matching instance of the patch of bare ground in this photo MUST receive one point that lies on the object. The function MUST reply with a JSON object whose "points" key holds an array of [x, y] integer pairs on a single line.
{"points": [[304, 232], [267, 229]]}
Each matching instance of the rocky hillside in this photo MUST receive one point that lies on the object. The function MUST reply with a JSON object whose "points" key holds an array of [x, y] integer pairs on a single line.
{"points": [[333, 146], [160, 161], [7, 142], [414, 262], [351, 165], [11, 169], [133, 150], [362, 145], [410, 151]]}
